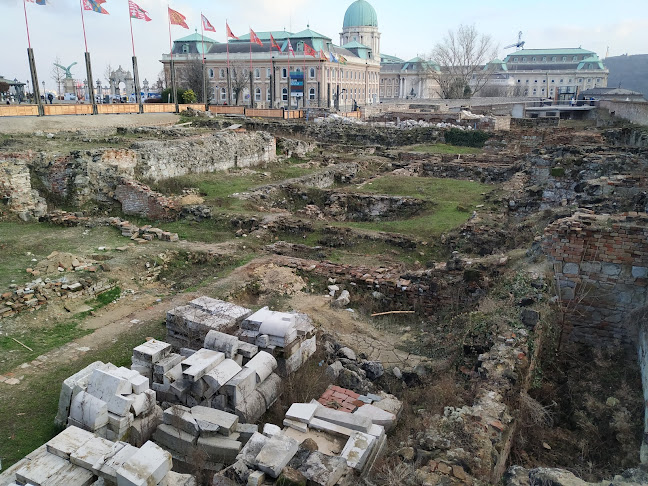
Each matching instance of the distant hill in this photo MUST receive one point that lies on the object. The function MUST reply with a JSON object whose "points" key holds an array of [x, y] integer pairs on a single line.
{"points": [[631, 72]]}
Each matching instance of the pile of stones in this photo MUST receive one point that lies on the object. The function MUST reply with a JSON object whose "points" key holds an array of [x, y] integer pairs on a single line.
{"points": [[142, 234]]}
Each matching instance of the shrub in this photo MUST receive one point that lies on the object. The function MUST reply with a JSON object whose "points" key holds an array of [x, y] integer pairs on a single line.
{"points": [[466, 138], [189, 96]]}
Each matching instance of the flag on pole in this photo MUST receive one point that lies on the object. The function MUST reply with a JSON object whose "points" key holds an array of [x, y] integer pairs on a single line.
{"points": [[95, 6], [333, 58], [342, 59], [322, 55], [229, 32], [255, 38], [290, 48], [38, 2], [176, 18], [137, 12], [309, 51], [206, 24], [274, 44]]}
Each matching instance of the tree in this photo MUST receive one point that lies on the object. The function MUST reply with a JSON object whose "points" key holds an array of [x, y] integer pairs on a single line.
{"points": [[190, 76], [160, 84], [240, 80], [4, 89], [108, 73], [57, 74], [460, 64], [189, 96]]}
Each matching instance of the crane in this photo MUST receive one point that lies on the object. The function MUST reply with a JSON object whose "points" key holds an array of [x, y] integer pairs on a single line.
{"points": [[519, 44]]}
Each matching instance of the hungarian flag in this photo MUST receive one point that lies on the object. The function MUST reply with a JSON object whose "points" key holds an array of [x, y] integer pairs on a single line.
{"points": [[273, 43], [206, 24], [38, 2], [137, 12], [176, 18], [255, 38], [309, 51], [290, 48], [229, 32], [95, 6]]}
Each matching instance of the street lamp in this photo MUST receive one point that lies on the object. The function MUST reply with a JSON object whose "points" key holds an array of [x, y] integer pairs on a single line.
{"points": [[345, 99], [44, 98]]}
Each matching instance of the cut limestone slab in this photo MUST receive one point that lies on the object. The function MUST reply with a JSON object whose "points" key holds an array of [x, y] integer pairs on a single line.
{"points": [[348, 420], [71, 475], [94, 451], [201, 362], [377, 415], [151, 351], [104, 383], [147, 466], [276, 454], [331, 428], [240, 386], [68, 442], [247, 350], [225, 343], [256, 478], [222, 373], [271, 389], [220, 449], [264, 364], [89, 411], [142, 403], [226, 422], [358, 449], [251, 450], [246, 431], [166, 363], [322, 469], [107, 468], [252, 408], [301, 412], [40, 469], [174, 439], [302, 427], [270, 430], [180, 417]]}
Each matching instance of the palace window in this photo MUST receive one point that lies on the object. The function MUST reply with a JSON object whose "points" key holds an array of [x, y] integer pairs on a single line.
{"points": [[268, 94], [533, 58], [268, 73], [554, 58], [257, 74], [544, 58], [575, 58], [524, 59], [284, 94], [312, 73], [515, 59], [223, 94], [311, 94], [211, 73], [221, 73], [564, 58], [284, 73], [257, 94]]}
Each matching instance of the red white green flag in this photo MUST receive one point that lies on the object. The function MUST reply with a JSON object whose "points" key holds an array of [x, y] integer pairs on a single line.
{"points": [[137, 12]]}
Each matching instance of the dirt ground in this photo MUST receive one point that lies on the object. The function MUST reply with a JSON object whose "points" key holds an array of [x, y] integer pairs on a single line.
{"points": [[60, 123]]}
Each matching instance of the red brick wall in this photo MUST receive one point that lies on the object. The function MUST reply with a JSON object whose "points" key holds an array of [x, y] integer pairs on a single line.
{"points": [[140, 200]]}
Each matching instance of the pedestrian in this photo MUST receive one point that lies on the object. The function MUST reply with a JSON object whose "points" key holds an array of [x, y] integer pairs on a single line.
{"points": [[50, 97]]}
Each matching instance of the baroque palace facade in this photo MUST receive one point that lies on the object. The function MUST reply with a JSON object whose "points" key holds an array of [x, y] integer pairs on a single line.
{"points": [[339, 76]]}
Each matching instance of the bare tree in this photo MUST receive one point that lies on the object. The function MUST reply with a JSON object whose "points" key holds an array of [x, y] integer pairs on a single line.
{"points": [[460, 62], [190, 76], [160, 84], [57, 74], [240, 80]]}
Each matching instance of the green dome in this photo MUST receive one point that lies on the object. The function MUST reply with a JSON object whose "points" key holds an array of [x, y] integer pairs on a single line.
{"points": [[360, 14]]}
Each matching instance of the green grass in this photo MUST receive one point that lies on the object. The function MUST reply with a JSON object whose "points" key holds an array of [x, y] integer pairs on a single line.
{"points": [[27, 410], [442, 148], [45, 338], [454, 200]]}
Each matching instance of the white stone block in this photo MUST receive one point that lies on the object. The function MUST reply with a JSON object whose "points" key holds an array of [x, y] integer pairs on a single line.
{"points": [[89, 411], [147, 466], [68, 441], [276, 454], [42, 467], [240, 386], [175, 439], [225, 343], [270, 430], [226, 421], [331, 428], [151, 351], [143, 403], [173, 374], [376, 415], [301, 412], [348, 420], [200, 363], [140, 384], [322, 469], [71, 475], [256, 478], [222, 373], [94, 452], [358, 449], [104, 383], [293, 424], [252, 448], [107, 467], [168, 362], [263, 364], [181, 418]]}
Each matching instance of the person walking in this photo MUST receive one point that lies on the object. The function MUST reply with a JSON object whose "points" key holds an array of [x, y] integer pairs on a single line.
{"points": [[50, 97]]}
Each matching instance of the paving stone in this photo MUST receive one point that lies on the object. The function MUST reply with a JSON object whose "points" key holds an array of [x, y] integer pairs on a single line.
{"points": [[147, 466], [348, 420], [68, 441], [301, 412]]}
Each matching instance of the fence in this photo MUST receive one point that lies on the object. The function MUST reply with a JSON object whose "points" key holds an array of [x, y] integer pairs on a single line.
{"points": [[18, 110]]}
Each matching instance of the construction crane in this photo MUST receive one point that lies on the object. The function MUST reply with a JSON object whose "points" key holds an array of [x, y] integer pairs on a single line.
{"points": [[519, 44]]}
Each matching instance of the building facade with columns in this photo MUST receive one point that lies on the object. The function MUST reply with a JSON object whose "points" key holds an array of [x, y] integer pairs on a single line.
{"points": [[338, 76]]}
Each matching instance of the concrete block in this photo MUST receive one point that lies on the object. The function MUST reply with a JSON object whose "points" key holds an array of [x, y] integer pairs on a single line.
{"points": [[377, 416], [276, 454], [151, 351], [330, 428], [168, 362], [252, 408], [252, 448], [200, 363], [240, 386], [94, 451], [147, 466], [301, 412], [349, 420], [358, 449], [256, 478], [89, 411], [225, 343], [181, 418], [300, 426], [248, 350], [222, 373], [143, 427], [143, 403], [270, 389], [246, 431], [68, 441], [107, 467], [40, 469], [174, 438], [263, 364], [270, 430], [103, 384], [323, 470], [71, 475], [225, 421], [220, 449]]}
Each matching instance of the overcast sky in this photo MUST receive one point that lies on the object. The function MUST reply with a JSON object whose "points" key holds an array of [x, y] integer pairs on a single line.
{"points": [[408, 27]]}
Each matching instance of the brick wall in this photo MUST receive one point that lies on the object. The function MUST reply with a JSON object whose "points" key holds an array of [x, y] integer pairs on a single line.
{"points": [[601, 268], [140, 200]]}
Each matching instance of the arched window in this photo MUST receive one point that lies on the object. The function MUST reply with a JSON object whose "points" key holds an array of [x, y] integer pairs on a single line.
{"points": [[211, 73], [257, 94], [257, 73], [284, 94], [221, 73], [312, 72], [284, 73], [311, 94]]}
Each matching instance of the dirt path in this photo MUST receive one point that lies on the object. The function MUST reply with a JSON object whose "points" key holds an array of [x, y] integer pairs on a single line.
{"points": [[58, 123]]}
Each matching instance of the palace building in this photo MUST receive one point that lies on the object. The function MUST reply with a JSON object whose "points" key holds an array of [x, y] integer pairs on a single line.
{"points": [[338, 76]]}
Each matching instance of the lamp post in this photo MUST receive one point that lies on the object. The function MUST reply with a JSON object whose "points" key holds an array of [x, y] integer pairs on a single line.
{"points": [[43, 92], [345, 99]]}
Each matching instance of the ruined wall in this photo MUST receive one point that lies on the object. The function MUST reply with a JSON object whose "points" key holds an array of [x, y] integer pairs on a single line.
{"points": [[643, 365], [16, 192], [601, 269], [634, 111], [140, 200]]}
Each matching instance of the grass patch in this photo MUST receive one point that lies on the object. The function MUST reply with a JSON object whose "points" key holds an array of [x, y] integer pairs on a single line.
{"points": [[443, 148], [27, 410], [454, 200]]}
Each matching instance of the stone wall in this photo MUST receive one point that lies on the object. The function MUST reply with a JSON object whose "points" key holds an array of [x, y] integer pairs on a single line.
{"points": [[16, 192], [601, 269], [643, 365], [140, 200], [634, 111]]}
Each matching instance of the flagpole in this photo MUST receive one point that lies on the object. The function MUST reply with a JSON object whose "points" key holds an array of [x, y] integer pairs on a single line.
{"points": [[304, 81], [138, 93], [89, 79], [172, 67], [32, 68], [229, 79], [202, 34]]}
